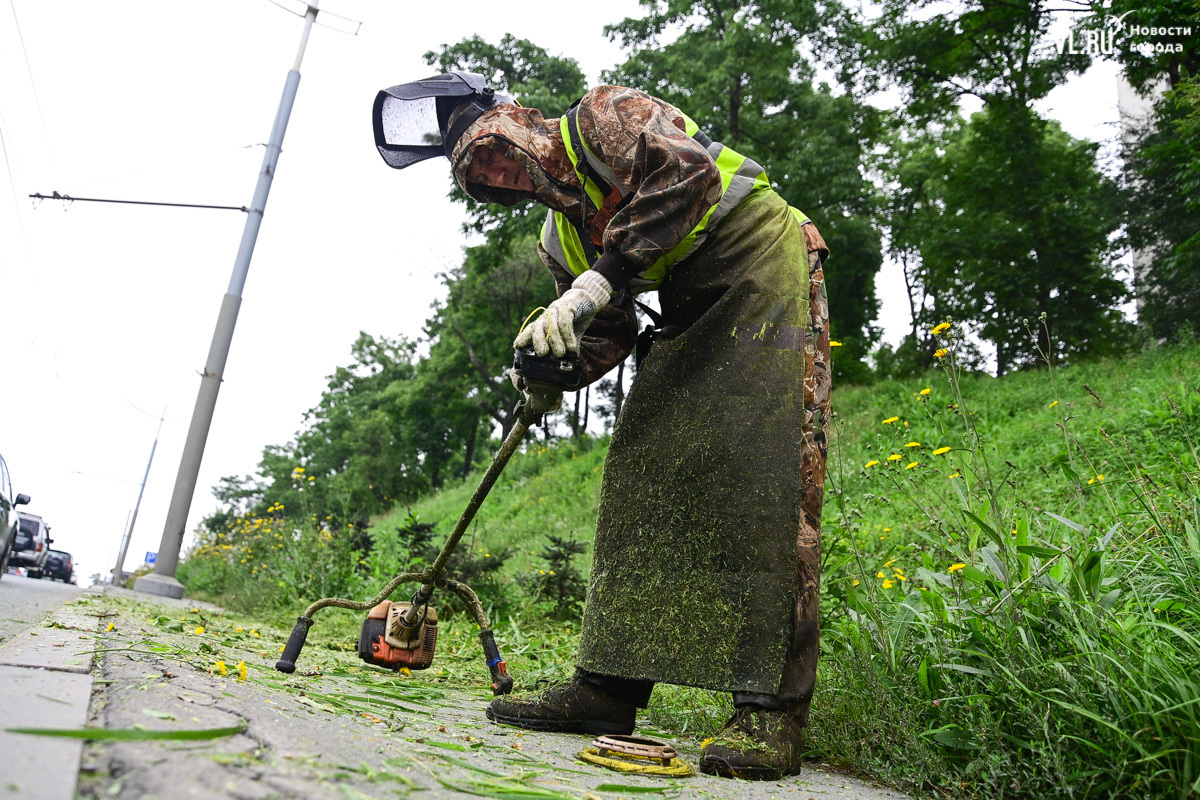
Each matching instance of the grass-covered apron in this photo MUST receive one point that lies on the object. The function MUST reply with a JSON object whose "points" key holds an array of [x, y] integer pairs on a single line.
{"points": [[695, 575]]}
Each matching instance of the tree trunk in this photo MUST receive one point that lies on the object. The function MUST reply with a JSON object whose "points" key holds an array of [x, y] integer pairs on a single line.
{"points": [[619, 392], [469, 455]]}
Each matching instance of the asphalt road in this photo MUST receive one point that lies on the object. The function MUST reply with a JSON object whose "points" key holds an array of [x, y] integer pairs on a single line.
{"points": [[24, 602]]}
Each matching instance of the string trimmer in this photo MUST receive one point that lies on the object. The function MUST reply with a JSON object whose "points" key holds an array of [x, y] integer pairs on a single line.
{"points": [[404, 634]]}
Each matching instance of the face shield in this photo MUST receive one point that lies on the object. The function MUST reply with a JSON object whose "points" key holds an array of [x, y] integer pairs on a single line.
{"points": [[423, 119]]}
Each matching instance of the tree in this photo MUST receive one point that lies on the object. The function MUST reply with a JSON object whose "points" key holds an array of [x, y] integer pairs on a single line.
{"points": [[1005, 230], [1007, 216], [1162, 160], [741, 71]]}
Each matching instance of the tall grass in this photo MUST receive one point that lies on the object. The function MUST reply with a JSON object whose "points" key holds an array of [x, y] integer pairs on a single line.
{"points": [[1009, 604], [986, 641]]}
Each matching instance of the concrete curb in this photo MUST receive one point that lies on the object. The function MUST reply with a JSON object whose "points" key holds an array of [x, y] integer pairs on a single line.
{"points": [[47, 672]]}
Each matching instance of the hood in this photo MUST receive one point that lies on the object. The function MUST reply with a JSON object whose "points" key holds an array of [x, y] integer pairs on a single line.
{"points": [[523, 135]]}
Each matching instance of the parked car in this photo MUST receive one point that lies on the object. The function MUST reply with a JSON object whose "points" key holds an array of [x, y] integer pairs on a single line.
{"points": [[59, 565], [32, 546], [9, 524]]}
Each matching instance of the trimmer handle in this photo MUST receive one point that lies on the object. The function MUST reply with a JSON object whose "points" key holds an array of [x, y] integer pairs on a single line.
{"points": [[502, 682], [564, 374], [295, 643]]}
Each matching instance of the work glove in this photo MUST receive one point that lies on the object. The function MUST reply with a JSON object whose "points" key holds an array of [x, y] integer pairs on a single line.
{"points": [[558, 329]]}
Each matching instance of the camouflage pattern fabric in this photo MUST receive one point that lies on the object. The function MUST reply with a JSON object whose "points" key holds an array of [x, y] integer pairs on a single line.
{"points": [[642, 140]]}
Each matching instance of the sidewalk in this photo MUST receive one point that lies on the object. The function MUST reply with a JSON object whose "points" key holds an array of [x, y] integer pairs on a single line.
{"points": [[335, 729]]}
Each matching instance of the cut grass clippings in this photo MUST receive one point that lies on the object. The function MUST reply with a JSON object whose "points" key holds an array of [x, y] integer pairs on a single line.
{"points": [[131, 734]]}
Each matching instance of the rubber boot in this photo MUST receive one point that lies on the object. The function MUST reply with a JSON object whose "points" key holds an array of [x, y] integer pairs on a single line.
{"points": [[756, 744], [575, 707]]}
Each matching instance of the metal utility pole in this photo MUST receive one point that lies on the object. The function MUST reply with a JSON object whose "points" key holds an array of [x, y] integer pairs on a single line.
{"points": [[118, 572], [162, 581]]}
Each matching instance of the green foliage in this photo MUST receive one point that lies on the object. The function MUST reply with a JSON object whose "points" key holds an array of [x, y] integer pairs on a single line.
{"points": [[1004, 218], [560, 581], [742, 72]]}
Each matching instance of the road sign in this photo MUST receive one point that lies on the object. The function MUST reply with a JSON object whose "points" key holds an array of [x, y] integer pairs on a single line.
{"points": [[151, 558]]}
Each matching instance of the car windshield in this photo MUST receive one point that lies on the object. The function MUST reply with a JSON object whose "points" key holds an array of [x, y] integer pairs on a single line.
{"points": [[30, 527]]}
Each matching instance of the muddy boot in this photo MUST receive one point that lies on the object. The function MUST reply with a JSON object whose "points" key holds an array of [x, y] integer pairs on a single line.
{"points": [[575, 707], [755, 744]]}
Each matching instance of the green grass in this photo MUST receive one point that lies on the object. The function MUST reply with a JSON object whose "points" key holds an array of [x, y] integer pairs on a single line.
{"points": [[998, 620]]}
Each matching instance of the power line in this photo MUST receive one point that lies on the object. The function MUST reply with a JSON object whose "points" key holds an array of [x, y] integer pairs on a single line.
{"points": [[57, 196]]}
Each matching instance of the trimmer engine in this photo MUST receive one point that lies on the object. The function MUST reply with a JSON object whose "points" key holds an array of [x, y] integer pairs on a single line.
{"points": [[386, 640]]}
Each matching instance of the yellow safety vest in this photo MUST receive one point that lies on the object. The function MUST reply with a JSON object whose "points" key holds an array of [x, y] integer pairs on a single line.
{"points": [[740, 177]]}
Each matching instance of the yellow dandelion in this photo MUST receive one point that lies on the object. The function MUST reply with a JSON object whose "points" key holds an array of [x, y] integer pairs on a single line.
{"points": [[940, 328], [890, 420], [941, 451], [857, 581], [199, 630], [110, 627], [220, 667], [253, 632], [955, 475], [1052, 405], [887, 530], [832, 343], [241, 668], [926, 391], [900, 577], [913, 464], [871, 463], [888, 584], [880, 574], [894, 457], [941, 353], [913, 444], [955, 567]]}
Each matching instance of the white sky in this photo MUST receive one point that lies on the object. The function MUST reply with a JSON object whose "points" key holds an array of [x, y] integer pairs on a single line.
{"points": [[110, 309]]}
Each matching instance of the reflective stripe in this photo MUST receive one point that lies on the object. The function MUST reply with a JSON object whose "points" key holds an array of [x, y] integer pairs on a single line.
{"points": [[561, 242], [593, 191]]}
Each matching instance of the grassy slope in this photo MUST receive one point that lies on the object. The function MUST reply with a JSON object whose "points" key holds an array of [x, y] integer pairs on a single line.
{"points": [[885, 521], [555, 489]]}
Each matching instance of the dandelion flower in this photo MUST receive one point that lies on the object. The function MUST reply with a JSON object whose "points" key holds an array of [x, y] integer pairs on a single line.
{"points": [[857, 581], [220, 667], [241, 668], [941, 353], [941, 328], [199, 630], [880, 574], [913, 444], [955, 568], [832, 343], [871, 463], [110, 627], [941, 451], [926, 391], [888, 584], [955, 475], [890, 420], [913, 464], [1052, 405], [894, 457]]}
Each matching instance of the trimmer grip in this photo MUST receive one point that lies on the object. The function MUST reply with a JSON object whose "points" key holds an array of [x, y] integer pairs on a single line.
{"points": [[502, 682], [295, 643]]}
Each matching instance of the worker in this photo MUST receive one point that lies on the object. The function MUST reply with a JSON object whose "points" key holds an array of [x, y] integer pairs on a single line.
{"points": [[707, 548]]}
